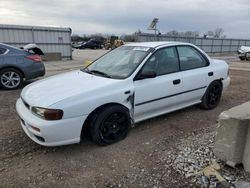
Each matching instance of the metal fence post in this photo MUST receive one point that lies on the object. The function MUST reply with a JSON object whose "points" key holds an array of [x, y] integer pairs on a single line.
{"points": [[221, 46], [33, 35], [212, 46], [230, 47]]}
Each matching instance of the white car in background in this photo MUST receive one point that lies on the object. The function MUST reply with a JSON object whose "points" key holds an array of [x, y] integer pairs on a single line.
{"points": [[129, 84], [244, 53]]}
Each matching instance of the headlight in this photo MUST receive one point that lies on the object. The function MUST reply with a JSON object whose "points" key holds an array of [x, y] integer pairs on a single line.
{"points": [[48, 114]]}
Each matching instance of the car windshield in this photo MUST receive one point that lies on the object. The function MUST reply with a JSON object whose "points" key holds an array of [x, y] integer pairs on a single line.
{"points": [[119, 63]]}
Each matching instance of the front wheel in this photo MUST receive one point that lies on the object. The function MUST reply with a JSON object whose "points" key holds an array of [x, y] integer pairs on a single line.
{"points": [[212, 96], [10, 79], [110, 125], [248, 56]]}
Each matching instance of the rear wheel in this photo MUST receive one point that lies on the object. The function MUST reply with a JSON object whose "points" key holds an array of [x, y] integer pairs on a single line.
{"points": [[212, 96], [110, 125], [10, 78]]}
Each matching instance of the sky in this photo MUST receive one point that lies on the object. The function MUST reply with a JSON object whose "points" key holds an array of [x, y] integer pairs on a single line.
{"points": [[128, 16]]}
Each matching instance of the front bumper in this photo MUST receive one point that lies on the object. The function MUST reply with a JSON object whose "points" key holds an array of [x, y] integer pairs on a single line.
{"points": [[52, 133]]}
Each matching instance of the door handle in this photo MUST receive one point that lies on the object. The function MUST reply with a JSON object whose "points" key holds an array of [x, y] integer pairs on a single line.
{"points": [[210, 73], [178, 81]]}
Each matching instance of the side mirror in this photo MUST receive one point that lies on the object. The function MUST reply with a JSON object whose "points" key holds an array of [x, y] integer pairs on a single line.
{"points": [[146, 74]]}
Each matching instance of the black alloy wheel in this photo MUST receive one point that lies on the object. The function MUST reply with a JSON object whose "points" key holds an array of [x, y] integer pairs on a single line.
{"points": [[110, 125], [212, 96], [113, 127]]}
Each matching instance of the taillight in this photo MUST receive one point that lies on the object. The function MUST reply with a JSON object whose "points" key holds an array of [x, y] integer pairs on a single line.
{"points": [[35, 58]]}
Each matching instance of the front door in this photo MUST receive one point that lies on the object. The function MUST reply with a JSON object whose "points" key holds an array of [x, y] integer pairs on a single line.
{"points": [[155, 96]]}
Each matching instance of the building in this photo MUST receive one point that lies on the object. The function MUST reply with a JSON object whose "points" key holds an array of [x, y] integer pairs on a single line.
{"points": [[55, 42]]}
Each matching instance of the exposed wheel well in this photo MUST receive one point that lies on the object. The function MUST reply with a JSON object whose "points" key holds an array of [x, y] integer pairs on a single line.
{"points": [[12, 67], [85, 127]]}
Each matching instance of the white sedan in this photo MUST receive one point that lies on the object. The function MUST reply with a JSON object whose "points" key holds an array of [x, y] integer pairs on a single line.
{"points": [[129, 84]]}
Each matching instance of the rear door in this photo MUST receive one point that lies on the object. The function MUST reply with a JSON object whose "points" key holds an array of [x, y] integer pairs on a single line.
{"points": [[195, 72], [155, 96]]}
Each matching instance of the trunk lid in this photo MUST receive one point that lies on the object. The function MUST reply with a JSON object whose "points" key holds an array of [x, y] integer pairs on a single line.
{"points": [[33, 48]]}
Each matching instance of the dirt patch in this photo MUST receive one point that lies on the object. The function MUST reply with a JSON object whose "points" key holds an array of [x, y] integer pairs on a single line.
{"points": [[133, 162]]}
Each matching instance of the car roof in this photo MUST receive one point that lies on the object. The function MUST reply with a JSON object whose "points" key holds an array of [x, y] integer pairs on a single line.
{"points": [[155, 44]]}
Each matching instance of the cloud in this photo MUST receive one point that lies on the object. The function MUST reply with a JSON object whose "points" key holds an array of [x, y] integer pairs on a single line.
{"points": [[127, 16]]}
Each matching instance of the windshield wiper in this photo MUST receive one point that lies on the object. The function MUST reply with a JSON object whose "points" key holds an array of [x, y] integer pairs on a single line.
{"points": [[100, 73], [86, 70], [96, 72]]}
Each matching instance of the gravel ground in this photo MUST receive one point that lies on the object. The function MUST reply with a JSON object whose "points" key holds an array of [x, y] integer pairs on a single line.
{"points": [[151, 155]]}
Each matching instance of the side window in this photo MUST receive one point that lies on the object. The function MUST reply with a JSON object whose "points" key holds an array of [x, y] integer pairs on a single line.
{"points": [[163, 61], [2, 50], [190, 58]]}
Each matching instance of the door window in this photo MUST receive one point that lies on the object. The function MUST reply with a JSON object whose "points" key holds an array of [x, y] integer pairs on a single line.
{"points": [[163, 61], [190, 58]]}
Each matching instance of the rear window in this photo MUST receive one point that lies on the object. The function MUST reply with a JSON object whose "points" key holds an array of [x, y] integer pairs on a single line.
{"points": [[2, 50]]}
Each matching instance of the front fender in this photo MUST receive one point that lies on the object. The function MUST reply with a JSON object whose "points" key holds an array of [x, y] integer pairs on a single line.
{"points": [[84, 104]]}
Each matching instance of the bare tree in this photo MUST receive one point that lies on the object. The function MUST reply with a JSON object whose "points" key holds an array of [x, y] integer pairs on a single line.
{"points": [[75, 38], [128, 37], [191, 34], [217, 33], [175, 33]]}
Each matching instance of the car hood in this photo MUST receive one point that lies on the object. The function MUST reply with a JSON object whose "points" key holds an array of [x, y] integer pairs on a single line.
{"points": [[245, 48], [49, 91]]}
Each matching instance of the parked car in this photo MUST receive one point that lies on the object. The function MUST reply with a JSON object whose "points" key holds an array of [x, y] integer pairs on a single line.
{"points": [[130, 84], [78, 44], [17, 65], [92, 44], [244, 53]]}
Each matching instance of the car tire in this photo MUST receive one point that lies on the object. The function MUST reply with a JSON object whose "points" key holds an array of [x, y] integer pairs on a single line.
{"points": [[10, 79], [248, 56], [212, 97], [110, 125]]}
